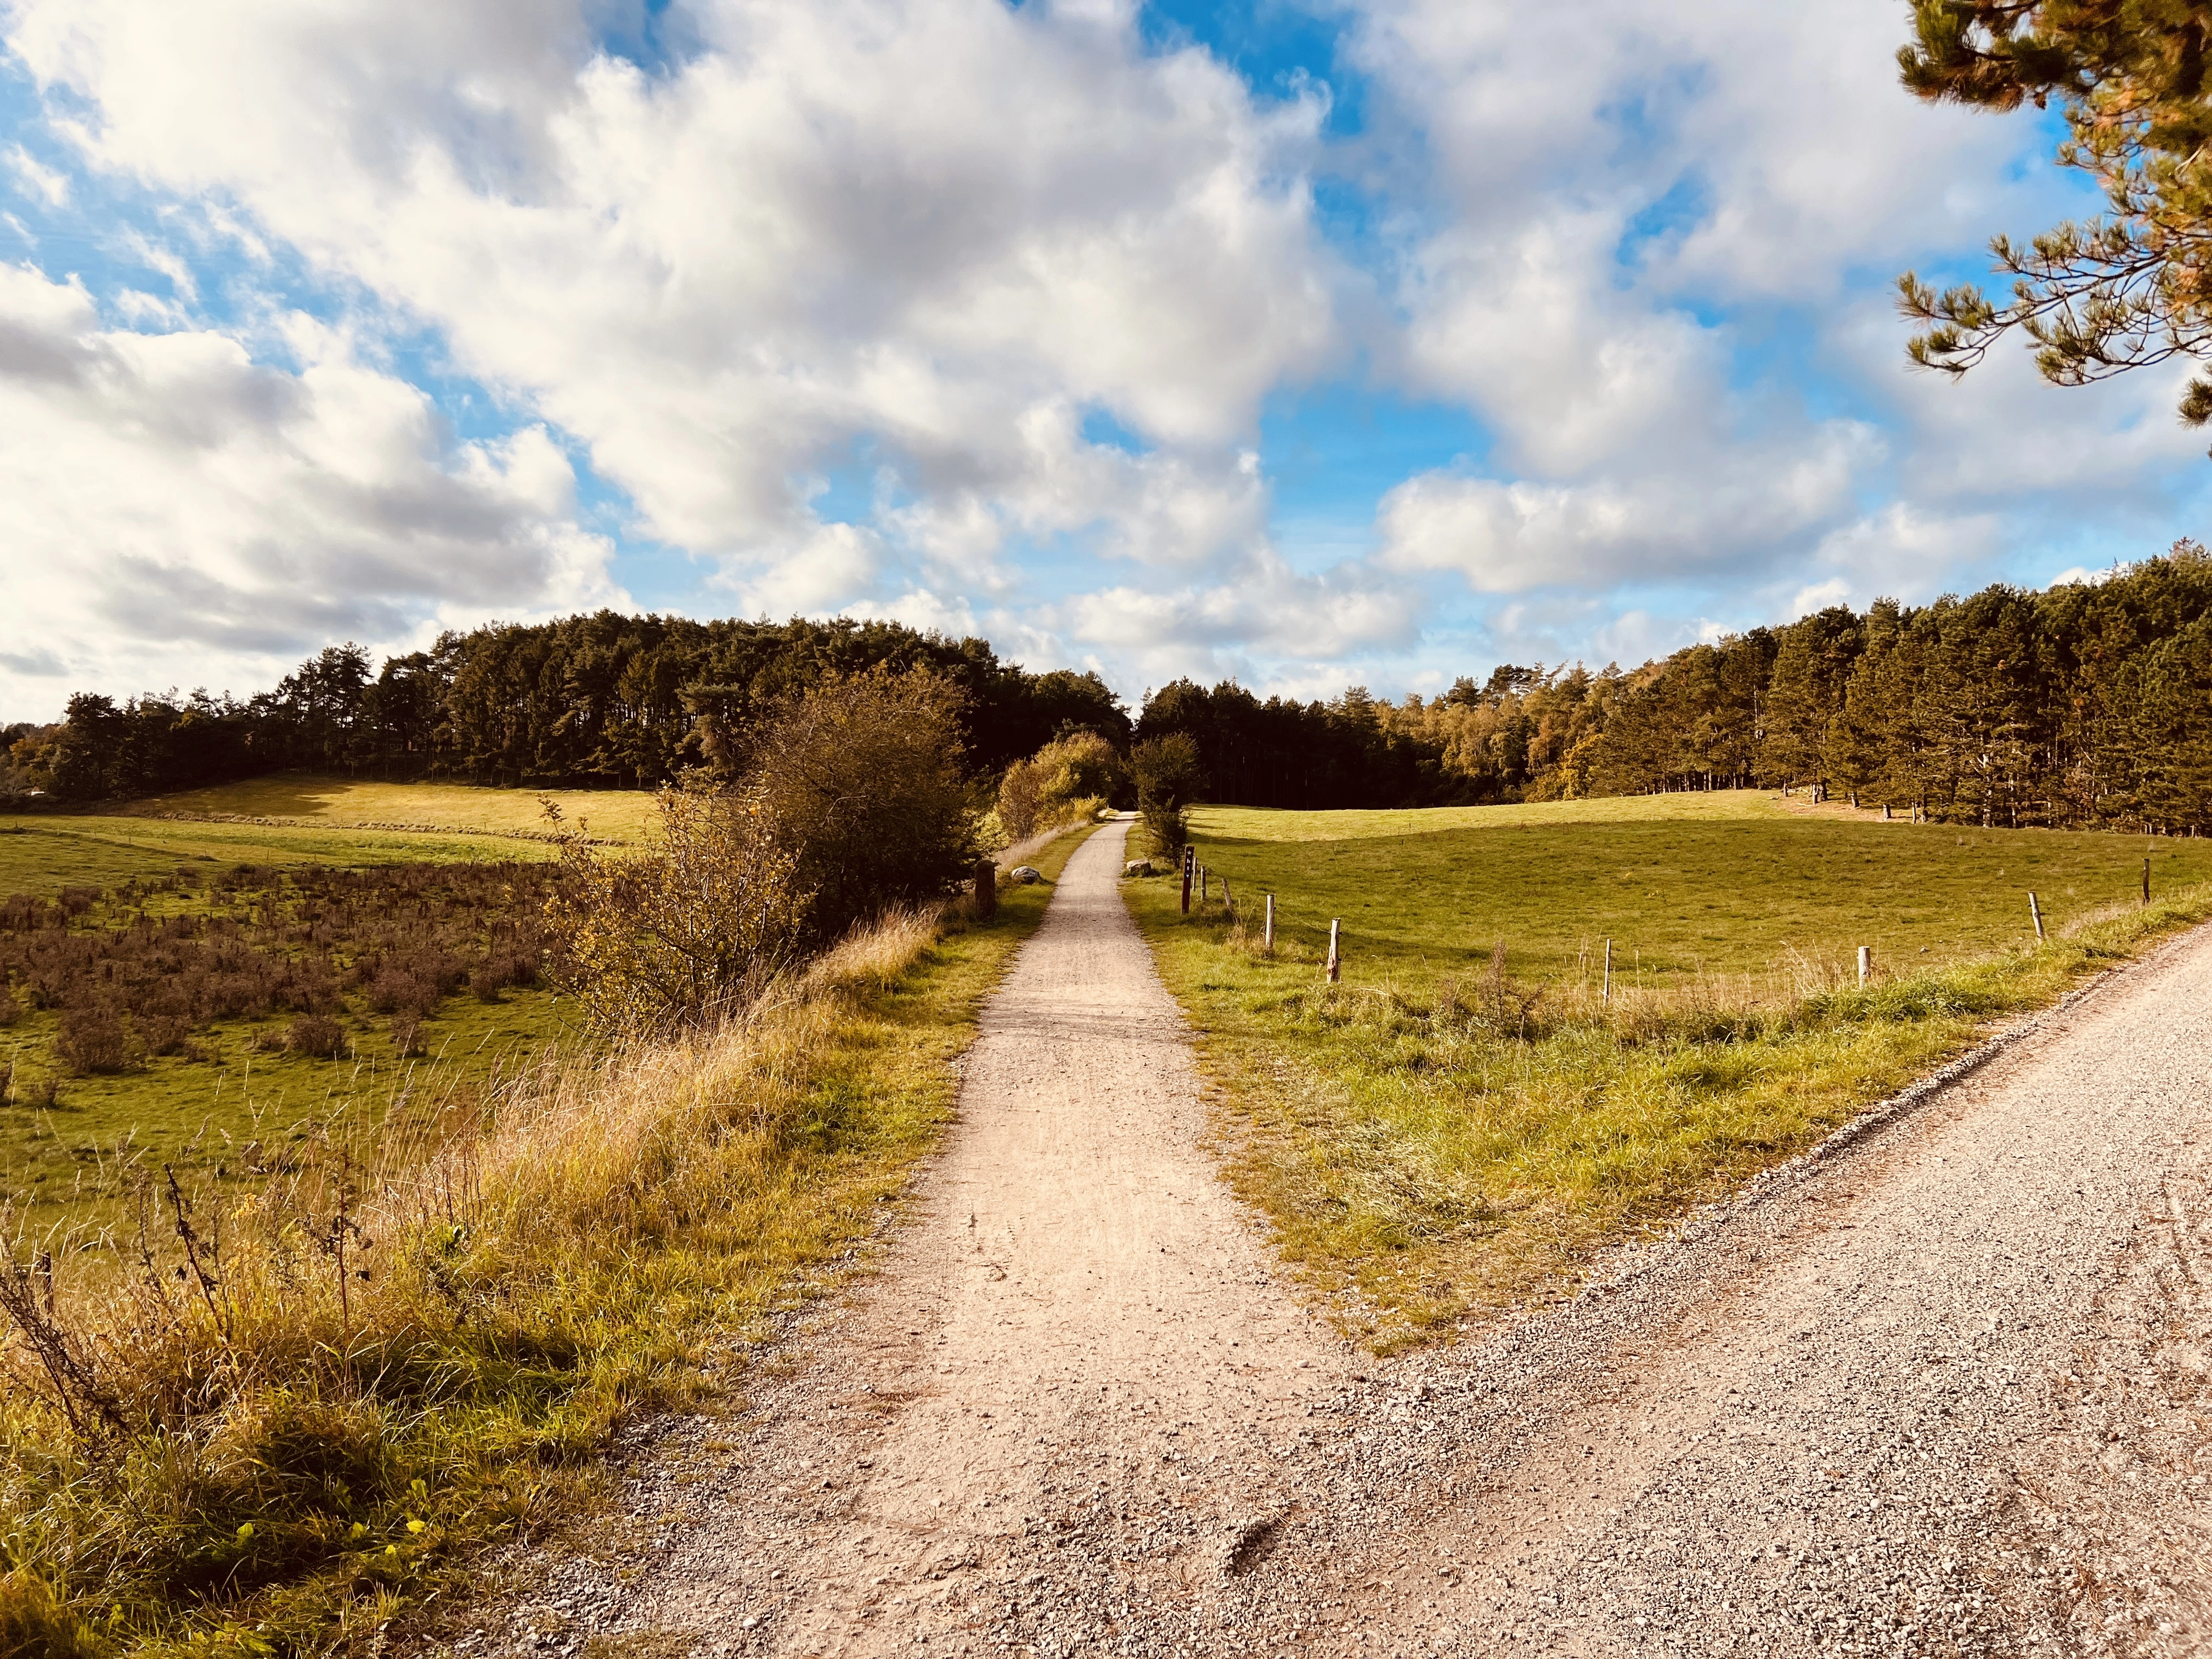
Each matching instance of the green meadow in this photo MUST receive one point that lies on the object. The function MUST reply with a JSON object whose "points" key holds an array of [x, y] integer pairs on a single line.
{"points": [[245, 1110], [1468, 1118], [1683, 884], [239, 1106], [41, 855]]}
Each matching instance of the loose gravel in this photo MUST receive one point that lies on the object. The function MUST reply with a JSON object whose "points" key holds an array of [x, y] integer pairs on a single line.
{"points": [[1939, 1387]]}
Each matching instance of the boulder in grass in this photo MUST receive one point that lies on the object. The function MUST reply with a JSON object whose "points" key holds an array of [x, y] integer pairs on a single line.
{"points": [[1138, 867], [1024, 873]]}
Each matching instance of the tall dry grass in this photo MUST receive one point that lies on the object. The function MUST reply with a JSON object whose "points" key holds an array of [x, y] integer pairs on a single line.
{"points": [[293, 1414]]}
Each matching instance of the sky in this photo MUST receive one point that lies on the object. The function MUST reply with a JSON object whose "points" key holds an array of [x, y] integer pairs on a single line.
{"points": [[1296, 342]]}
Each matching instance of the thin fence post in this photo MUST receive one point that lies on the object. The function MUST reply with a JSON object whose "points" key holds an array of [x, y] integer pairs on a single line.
{"points": [[2146, 881], [1228, 903], [1335, 958], [1865, 965], [1605, 996], [1270, 940], [2035, 911], [987, 888], [1188, 859]]}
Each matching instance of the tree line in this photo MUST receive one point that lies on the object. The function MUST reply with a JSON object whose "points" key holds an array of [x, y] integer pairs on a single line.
{"points": [[2083, 704], [597, 701]]}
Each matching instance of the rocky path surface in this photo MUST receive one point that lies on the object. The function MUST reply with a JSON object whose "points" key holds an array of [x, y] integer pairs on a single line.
{"points": [[1942, 1390]]}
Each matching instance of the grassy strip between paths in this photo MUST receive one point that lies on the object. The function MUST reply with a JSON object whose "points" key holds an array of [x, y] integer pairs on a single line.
{"points": [[277, 1442], [1432, 1149]]}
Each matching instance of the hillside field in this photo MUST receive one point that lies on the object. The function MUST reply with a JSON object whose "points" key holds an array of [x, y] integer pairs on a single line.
{"points": [[1455, 1128], [1727, 882], [311, 799]]}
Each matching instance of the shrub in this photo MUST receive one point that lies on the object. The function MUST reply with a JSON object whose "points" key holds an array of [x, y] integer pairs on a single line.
{"points": [[316, 1035], [1070, 778], [407, 1039], [679, 936], [10, 1010], [489, 977], [92, 1039], [1167, 775], [166, 1033], [860, 779]]}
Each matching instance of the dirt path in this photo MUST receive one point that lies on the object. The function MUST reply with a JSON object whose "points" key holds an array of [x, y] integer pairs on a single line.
{"points": [[1943, 1391], [1078, 1364]]}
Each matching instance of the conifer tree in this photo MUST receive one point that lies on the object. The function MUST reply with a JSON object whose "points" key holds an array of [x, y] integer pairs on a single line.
{"points": [[2133, 287]]}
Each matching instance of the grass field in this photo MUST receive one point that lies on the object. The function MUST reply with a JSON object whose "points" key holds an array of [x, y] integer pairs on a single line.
{"points": [[1683, 884], [42, 855], [1463, 1122], [229, 1119], [308, 798], [214, 1092]]}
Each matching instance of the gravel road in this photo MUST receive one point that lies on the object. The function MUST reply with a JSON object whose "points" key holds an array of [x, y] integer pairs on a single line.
{"points": [[1939, 1388]]}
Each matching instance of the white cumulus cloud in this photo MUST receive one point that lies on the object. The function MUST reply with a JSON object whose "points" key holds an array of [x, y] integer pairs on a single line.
{"points": [[168, 502], [930, 222]]}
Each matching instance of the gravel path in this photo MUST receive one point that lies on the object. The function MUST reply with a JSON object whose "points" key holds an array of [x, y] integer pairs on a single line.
{"points": [[1941, 1390]]}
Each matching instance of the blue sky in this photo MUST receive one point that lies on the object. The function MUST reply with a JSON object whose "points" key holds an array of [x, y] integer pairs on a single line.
{"points": [[1300, 343]]}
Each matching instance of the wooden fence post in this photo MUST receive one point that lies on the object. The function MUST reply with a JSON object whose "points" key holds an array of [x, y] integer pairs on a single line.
{"points": [[1228, 903], [1865, 965], [1606, 994], [1270, 940], [2035, 911], [2146, 881], [1335, 959], [987, 888], [1189, 858]]}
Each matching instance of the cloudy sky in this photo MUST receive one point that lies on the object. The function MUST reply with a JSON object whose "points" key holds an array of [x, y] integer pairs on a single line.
{"points": [[1291, 340]]}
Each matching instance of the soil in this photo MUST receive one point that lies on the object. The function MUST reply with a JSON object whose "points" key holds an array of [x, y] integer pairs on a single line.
{"points": [[1939, 1387]]}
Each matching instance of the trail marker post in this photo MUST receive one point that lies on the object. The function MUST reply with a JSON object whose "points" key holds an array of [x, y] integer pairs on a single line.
{"points": [[2035, 913], [1605, 993], [1189, 859], [1269, 939], [987, 888], [1865, 965], [1335, 958], [2146, 881]]}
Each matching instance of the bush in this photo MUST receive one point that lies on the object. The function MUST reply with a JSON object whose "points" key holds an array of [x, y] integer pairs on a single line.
{"points": [[92, 1039], [860, 779], [316, 1035], [679, 936], [1166, 770], [1070, 778]]}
